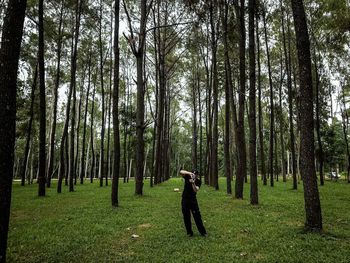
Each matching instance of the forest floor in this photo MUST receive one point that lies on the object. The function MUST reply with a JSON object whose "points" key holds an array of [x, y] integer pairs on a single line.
{"points": [[82, 227]]}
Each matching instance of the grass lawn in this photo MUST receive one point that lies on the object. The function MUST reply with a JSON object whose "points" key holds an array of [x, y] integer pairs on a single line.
{"points": [[82, 227]]}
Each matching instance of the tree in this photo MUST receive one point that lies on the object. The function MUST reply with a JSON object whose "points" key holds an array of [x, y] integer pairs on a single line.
{"points": [[307, 155], [228, 91], [55, 99], [29, 129], [82, 164], [74, 57], [318, 121], [214, 155], [138, 51], [42, 113], [241, 147], [12, 32], [116, 145], [252, 106], [102, 159], [92, 168], [288, 63], [261, 122], [272, 106]]}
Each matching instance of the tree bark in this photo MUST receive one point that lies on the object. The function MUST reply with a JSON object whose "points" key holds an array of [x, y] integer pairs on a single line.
{"points": [[116, 145], [307, 165], [281, 124], [108, 165], [200, 124], [82, 164], [102, 159], [194, 124], [228, 89], [126, 133], [29, 129], [290, 107], [272, 116], [12, 32], [42, 97], [345, 121], [54, 102], [71, 170], [252, 105], [241, 147], [159, 151], [92, 168], [140, 111], [318, 122], [215, 138], [261, 122]]}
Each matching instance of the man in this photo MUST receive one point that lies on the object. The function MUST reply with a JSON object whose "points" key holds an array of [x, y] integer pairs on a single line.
{"points": [[189, 202]]}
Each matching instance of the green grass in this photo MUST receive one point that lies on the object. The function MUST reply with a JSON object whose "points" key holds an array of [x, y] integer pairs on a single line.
{"points": [[82, 226]]}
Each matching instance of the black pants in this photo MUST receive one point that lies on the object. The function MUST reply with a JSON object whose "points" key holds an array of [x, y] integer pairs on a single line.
{"points": [[188, 206]]}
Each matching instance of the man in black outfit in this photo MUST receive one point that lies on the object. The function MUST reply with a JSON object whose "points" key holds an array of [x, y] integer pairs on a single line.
{"points": [[189, 202]]}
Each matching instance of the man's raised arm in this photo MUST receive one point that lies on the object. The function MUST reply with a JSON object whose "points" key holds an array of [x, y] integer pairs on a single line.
{"points": [[184, 173]]}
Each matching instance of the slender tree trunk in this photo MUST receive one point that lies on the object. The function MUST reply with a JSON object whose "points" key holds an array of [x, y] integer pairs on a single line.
{"points": [[252, 106], [92, 168], [126, 134], [29, 162], [261, 123], [71, 170], [102, 160], [318, 122], [109, 132], [241, 147], [66, 152], [307, 165], [12, 32], [166, 136], [228, 87], [54, 102], [116, 146], [159, 157], [156, 63], [281, 124], [194, 125], [345, 121], [140, 111], [207, 115], [214, 155], [272, 117], [109, 107], [82, 165], [76, 169], [275, 157], [42, 96], [290, 100], [200, 124], [29, 129]]}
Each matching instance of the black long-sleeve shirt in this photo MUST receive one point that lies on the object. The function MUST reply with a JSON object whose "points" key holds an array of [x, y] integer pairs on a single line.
{"points": [[188, 191]]}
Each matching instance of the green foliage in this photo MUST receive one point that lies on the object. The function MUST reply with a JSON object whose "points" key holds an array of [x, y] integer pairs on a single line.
{"points": [[334, 147]]}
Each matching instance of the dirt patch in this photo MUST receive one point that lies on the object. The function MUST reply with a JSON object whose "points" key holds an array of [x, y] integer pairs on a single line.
{"points": [[147, 225]]}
